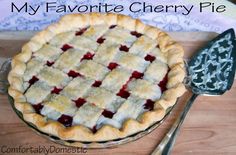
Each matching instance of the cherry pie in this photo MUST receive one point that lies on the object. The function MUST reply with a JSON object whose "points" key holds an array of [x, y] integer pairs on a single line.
{"points": [[96, 77]]}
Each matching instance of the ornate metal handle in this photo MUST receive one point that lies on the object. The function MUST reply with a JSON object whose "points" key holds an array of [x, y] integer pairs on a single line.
{"points": [[167, 142], [4, 70]]}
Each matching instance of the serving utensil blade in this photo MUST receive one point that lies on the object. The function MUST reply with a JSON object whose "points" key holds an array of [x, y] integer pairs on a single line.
{"points": [[210, 72]]}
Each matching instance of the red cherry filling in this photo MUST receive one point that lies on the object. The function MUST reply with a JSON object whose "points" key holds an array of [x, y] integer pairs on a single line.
{"points": [[100, 40], [88, 56], [124, 48], [94, 129], [107, 113], [79, 102], [38, 108], [136, 34], [49, 63], [123, 93], [33, 80], [73, 74], [137, 75], [150, 58], [97, 83], [112, 26], [162, 84], [65, 47], [149, 104], [56, 90], [80, 32], [65, 120], [112, 65]]}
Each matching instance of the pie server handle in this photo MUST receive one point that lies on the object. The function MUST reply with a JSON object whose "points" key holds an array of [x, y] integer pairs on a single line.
{"points": [[168, 141]]}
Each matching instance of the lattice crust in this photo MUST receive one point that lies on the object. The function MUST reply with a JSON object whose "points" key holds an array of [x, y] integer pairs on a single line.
{"points": [[77, 88], [131, 62], [31, 70], [57, 106], [41, 89], [87, 115], [144, 89], [53, 77], [116, 79], [156, 52], [115, 104], [100, 97], [119, 35], [143, 46], [156, 71], [69, 59], [48, 53], [84, 43], [106, 53], [107, 121], [95, 77], [62, 38], [131, 108], [96, 31], [92, 70]]}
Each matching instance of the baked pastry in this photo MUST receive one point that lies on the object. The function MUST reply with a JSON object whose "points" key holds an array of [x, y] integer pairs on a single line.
{"points": [[96, 77]]}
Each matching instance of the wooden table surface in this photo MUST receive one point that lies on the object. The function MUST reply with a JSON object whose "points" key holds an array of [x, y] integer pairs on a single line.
{"points": [[209, 128]]}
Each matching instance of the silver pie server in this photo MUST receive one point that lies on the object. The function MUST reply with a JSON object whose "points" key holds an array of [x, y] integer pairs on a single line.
{"points": [[210, 72]]}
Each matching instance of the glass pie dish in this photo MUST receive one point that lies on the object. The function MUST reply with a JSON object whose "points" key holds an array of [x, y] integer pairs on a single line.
{"points": [[102, 78], [104, 144]]}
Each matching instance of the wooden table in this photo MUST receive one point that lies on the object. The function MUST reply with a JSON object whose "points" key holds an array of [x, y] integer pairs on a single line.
{"points": [[209, 128]]}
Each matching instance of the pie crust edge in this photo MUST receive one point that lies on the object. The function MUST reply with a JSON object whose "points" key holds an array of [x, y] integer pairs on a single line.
{"points": [[175, 86]]}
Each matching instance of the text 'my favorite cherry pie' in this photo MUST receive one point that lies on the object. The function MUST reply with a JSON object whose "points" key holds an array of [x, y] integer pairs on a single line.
{"points": [[96, 77]]}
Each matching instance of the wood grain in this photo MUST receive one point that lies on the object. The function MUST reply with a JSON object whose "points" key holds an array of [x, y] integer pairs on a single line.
{"points": [[209, 128]]}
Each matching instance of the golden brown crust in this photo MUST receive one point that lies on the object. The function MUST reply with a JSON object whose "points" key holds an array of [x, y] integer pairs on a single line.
{"points": [[81, 133]]}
